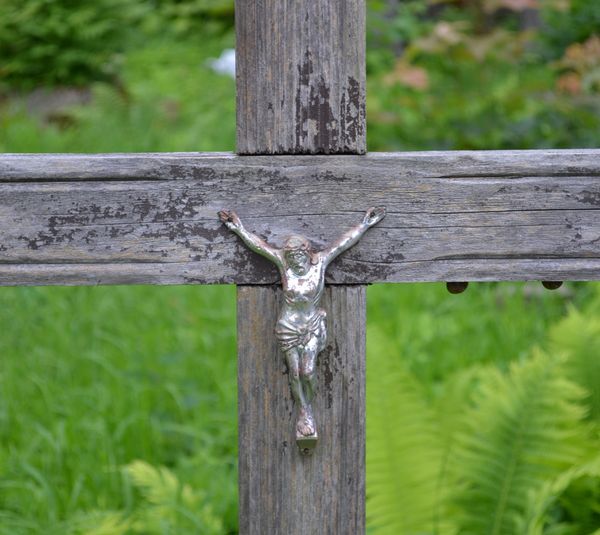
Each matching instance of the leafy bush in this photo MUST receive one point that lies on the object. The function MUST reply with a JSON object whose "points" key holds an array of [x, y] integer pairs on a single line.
{"points": [[50, 42], [569, 503], [576, 22], [474, 75], [191, 17]]}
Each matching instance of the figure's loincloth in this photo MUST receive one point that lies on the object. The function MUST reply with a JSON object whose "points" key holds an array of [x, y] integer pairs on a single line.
{"points": [[291, 335]]}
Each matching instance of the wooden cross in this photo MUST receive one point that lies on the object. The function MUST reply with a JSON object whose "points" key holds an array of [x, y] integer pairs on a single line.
{"points": [[301, 140]]}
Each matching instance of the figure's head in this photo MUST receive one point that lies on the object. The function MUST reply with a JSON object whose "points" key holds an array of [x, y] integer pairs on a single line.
{"points": [[297, 252]]}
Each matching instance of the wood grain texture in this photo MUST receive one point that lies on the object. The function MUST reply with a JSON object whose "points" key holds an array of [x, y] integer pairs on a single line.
{"points": [[151, 219], [300, 90], [300, 77], [282, 491]]}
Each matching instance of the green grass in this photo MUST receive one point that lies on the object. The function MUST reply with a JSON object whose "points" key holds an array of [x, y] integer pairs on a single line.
{"points": [[168, 100], [437, 334], [92, 379]]}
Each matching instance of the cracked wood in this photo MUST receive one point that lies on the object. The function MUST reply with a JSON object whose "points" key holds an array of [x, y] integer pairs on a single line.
{"points": [[301, 89], [301, 77], [151, 218]]}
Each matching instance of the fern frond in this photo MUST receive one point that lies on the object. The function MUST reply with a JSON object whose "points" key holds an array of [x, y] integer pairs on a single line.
{"points": [[404, 452], [171, 506], [455, 398], [525, 429], [104, 523], [158, 485], [540, 501], [578, 337]]}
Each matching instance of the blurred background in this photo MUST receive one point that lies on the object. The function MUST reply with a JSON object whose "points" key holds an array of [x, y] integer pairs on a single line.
{"points": [[118, 404]]}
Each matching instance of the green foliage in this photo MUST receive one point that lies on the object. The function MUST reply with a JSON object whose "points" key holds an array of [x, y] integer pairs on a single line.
{"points": [[449, 77], [405, 451], [579, 491], [579, 20], [52, 42], [92, 379], [63, 42], [495, 444], [105, 432], [513, 447], [171, 507], [391, 26], [167, 104], [578, 338], [188, 16], [438, 338], [525, 428]]}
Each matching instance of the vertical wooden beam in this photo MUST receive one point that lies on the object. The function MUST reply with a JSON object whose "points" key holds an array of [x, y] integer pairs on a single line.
{"points": [[282, 491], [301, 76], [300, 90]]}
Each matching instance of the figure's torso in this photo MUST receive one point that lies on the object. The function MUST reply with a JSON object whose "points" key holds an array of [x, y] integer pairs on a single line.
{"points": [[302, 292], [301, 321]]}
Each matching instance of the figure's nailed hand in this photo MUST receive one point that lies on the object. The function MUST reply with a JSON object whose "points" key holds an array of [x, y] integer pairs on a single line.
{"points": [[374, 215], [230, 218]]}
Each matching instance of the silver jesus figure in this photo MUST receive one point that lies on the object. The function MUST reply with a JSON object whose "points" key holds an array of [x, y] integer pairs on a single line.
{"points": [[300, 329]]}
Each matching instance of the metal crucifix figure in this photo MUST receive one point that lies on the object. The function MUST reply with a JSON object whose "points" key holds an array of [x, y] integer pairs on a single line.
{"points": [[301, 327]]}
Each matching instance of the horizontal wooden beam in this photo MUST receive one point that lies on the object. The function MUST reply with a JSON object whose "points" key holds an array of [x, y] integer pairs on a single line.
{"points": [[151, 218]]}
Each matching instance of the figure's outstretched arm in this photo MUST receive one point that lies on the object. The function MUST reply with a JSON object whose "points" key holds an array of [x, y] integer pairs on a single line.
{"points": [[373, 216], [254, 242]]}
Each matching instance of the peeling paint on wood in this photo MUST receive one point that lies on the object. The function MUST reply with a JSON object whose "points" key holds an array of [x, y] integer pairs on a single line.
{"points": [[106, 219], [301, 77]]}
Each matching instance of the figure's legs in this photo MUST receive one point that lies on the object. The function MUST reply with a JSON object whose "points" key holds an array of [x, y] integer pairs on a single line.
{"points": [[308, 376], [308, 362], [305, 425], [292, 358]]}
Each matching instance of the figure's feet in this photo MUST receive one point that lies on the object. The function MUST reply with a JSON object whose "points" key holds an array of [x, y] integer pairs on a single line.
{"points": [[306, 431], [306, 423]]}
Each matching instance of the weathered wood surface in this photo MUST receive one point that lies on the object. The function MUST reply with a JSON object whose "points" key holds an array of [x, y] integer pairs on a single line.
{"points": [[215, 165], [282, 491], [301, 76], [301, 89], [124, 219]]}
